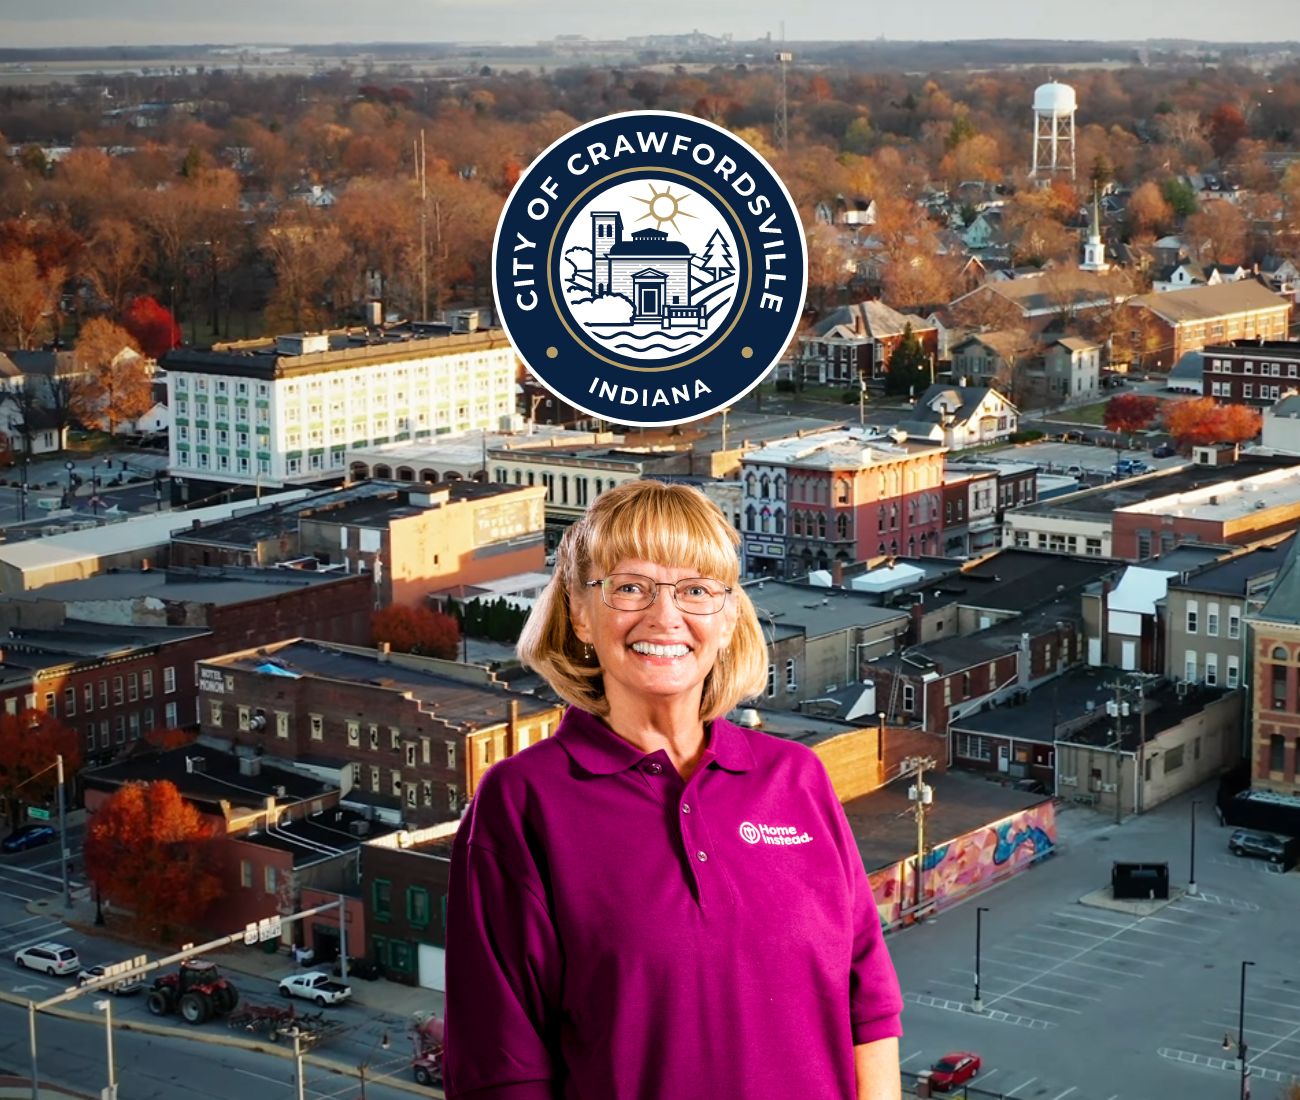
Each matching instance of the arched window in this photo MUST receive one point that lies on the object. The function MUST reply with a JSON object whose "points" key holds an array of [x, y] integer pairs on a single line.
{"points": [[821, 526], [841, 491], [842, 526], [780, 486], [405, 473], [428, 475], [358, 471], [750, 481], [780, 522], [382, 471], [749, 518], [766, 521], [1280, 653], [765, 484]]}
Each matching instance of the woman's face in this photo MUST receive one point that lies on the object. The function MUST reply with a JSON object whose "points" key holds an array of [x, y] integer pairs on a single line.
{"points": [[661, 652]]}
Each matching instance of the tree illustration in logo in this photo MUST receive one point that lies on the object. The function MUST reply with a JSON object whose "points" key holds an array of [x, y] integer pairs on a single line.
{"points": [[717, 257]]}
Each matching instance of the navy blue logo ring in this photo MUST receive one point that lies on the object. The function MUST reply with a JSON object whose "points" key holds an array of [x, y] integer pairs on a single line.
{"points": [[649, 268]]}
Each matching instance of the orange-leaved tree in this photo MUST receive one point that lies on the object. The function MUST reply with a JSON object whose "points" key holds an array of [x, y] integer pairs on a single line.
{"points": [[1130, 412], [416, 630], [1202, 420], [30, 743], [151, 853]]}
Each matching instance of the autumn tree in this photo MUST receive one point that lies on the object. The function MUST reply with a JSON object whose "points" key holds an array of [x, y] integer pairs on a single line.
{"points": [[1126, 413], [1203, 420], [113, 261], [1226, 127], [308, 256], [29, 299], [418, 630], [1216, 233], [30, 743], [151, 853], [1148, 210], [115, 387], [152, 326]]}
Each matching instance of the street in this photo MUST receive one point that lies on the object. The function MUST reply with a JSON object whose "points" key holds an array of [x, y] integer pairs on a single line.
{"points": [[1083, 1003]]}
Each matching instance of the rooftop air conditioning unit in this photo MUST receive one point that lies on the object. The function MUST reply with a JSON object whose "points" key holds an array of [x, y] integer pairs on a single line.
{"points": [[278, 790], [359, 828], [195, 764]]}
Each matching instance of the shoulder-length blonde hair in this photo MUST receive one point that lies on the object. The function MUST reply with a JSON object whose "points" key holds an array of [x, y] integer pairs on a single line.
{"points": [[672, 525]]}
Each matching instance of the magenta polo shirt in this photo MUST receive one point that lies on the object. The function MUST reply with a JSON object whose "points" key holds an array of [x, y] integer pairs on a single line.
{"points": [[615, 933]]}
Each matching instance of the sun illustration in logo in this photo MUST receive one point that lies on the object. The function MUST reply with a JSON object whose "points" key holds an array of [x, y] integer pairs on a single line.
{"points": [[664, 207]]}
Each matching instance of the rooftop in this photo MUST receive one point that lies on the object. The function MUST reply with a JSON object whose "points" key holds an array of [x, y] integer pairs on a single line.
{"points": [[74, 640], [322, 834], [465, 450], [819, 610], [1258, 349], [442, 688], [807, 729], [1283, 604], [1253, 492], [1014, 580], [835, 449], [1202, 303], [1233, 577], [205, 774], [219, 586]]}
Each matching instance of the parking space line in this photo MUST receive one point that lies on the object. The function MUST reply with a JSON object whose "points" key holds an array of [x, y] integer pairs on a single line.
{"points": [[1063, 1095], [914, 1054], [1023, 1085], [1078, 962], [1195, 942], [1034, 970]]}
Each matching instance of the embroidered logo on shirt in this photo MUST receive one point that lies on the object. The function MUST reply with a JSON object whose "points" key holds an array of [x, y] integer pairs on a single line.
{"points": [[772, 834]]}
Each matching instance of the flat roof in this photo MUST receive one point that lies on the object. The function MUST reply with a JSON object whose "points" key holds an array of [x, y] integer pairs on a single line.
{"points": [[74, 640], [465, 449], [319, 836], [1014, 580], [454, 701], [1155, 488], [1256, 492], [806, 728], [133, 534], [201, 584], [818, 610], [1232, 577], [836, 449]]}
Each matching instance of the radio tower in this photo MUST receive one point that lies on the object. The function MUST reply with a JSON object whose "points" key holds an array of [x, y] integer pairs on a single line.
{"points": [[781, 124]]}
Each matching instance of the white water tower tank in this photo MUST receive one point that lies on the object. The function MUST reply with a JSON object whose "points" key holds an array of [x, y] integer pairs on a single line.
{"points": [[1054, 107]]}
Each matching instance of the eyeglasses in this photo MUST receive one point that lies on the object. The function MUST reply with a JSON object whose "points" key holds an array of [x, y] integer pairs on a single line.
{"points": [[633, 592]]}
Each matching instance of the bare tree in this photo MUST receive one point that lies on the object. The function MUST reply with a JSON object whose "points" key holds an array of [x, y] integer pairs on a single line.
{"points": [[29, 299]]}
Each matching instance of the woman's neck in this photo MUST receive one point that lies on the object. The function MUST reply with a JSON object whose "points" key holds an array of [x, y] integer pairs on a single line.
{"points": [[675, 727]]}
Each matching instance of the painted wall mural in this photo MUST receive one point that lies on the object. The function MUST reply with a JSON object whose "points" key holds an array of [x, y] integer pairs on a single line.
{"points": [[966, 865]]}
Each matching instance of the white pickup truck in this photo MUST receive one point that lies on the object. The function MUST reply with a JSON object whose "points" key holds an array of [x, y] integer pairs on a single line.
{"points": [[317, 986]]}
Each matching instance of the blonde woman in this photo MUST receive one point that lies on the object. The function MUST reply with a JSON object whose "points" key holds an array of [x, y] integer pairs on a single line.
{"points": [[656, 904]]}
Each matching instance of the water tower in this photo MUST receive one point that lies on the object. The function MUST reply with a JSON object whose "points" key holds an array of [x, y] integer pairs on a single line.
{"points": [[1054, 106]]}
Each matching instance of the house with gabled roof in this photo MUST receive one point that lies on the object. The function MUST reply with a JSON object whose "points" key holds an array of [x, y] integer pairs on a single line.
{"points": [[1188, 320], [961, 416], [856, 341]]}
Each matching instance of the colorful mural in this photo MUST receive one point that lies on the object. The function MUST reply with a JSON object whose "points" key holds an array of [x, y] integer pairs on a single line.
{"points": [[966, 865]]}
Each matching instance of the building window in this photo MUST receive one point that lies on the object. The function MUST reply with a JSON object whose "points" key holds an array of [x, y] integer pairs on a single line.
{"points": [[1193, 617], [382, 899], [118, 693], [354, 735], [1278, 693], [282, 723], [971, 746], [169, 680], [214, 712], [909, 697], [451, 755], [374, 778], [394, 738], [88, 697], [1173, 759], [1189, 666], [169, 716], [453, 798], [771, 680], [246, 873], [317, 727], [395, 779], [132, 687], [426, 792], [244, 716], [1234, 621], [410, 754], [791, 681], [146, 683], [1212, 620], [119, 729], [1234, 672], [69, 702], [417, 906], [1277, 753], [1212, 669]]}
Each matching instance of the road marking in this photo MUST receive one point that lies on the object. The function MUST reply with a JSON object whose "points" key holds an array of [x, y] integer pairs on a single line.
{"points": [[1063, 1095], [1187, 1057], [260, 1076], [16, 897], [1025, 1085], [914, 1054], [1219, 899], [996, 1014]]}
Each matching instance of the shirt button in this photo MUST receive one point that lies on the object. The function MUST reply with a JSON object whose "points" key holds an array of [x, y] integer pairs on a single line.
{"points": [[655, 769], [702, 856], [686, 807]]}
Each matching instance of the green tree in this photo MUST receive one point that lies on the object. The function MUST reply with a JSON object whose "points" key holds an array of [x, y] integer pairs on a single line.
{"points": [[909, 367], [1180, 196]]}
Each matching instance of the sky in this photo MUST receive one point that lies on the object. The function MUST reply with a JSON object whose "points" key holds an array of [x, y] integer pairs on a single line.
{"points": [[152, 22]]}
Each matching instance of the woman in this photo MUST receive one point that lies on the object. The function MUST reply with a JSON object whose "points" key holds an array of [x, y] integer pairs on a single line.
{"points": [[655, 903]]}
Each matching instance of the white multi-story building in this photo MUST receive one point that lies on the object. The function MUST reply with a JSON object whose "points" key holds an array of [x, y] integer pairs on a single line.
{"points": [[286, 411]]}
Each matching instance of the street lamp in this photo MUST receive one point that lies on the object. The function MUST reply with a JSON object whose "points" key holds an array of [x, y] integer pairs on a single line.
{"points": [[106, 1007], [364, 1067], [978, 1004], [1191, 874], [1241, 1035], [297, 1063]]}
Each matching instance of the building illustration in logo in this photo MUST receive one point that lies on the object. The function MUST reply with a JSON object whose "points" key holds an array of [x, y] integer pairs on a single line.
{"points": [[649, 268], [646, 292]]}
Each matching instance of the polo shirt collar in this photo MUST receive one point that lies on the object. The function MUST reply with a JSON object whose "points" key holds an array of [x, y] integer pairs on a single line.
{"points": [[598, 750]]}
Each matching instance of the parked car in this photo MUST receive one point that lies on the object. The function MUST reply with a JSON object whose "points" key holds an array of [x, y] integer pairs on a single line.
{"points": [[360, 967], [1165, 450], [118, 989], [1127, 466], [28, 836], [1029, 786], [1248, 842], [317, 986], [49, 958], [954, 1069]]}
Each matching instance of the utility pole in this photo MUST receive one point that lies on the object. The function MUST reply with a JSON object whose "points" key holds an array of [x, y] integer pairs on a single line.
{"points": [[781, 123], [63, 839], [920, 794]]}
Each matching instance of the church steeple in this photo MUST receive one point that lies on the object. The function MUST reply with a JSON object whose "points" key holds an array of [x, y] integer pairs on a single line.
{"points": [[1094, 252]]}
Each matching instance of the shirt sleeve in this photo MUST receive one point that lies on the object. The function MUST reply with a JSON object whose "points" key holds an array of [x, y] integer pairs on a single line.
{"points": [[503, 969], [875, 1000]]}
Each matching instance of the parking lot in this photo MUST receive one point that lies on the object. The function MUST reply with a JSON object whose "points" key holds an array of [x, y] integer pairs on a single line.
{"points": [[1057, 457], [1083, 1003]]}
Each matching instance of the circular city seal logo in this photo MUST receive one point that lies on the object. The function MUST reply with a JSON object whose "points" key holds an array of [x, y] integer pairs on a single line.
{"points": [[649, 268]]}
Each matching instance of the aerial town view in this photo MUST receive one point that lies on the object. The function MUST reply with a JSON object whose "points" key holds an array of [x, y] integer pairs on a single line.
{"points": [[335, 656]]}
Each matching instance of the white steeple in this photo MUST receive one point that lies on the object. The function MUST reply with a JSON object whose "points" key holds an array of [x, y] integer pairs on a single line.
{"points": [[1094, 252]]}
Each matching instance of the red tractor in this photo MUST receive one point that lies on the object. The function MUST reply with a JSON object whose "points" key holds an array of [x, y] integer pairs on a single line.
{"points": [[197, 991]]}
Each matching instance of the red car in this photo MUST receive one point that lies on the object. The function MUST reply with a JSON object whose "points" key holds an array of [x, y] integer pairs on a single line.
{"points": [[954, 1069]]}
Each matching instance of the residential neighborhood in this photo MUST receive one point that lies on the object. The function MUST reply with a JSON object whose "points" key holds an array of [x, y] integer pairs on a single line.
{"points": [[1016, 508]]}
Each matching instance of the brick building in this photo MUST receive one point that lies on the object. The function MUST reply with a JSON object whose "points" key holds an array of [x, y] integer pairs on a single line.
{"points": [[855, 342], [413, 539], [838, 496], [1251, 372], [410, 736], [1188, 320], [113, 655], [1274, 633]]}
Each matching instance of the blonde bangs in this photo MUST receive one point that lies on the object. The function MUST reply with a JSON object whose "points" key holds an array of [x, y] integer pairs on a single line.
{"points": [[671, 524]]}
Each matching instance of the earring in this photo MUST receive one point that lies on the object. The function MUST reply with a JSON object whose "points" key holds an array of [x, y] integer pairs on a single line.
{"points": [[588, 651]]}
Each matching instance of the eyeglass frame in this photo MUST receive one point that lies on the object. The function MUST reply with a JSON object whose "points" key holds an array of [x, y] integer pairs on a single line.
{"points": [[599, 582]]}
